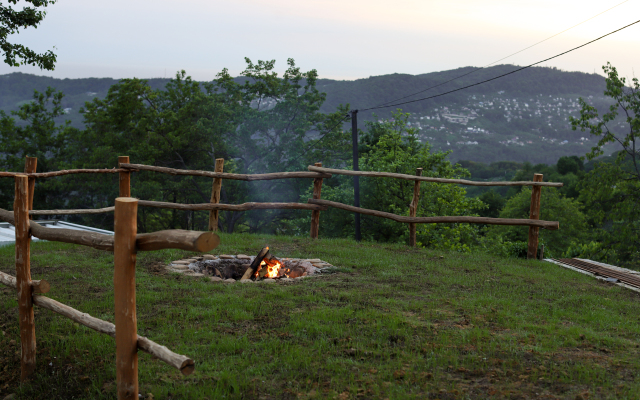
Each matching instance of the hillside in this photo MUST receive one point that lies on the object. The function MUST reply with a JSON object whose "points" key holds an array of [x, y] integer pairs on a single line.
{"points": [[521, 117], [392, 322]]}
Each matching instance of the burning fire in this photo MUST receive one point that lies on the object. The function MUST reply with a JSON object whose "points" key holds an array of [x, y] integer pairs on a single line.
{"points": [[273, 267]]}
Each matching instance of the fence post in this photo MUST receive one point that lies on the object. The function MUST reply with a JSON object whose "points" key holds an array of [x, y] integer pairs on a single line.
{"points": [[534, 213], [315, 214], [30, 165], [215, 196], [124, 285], [125, 178], [23, 277], [413, 208]]}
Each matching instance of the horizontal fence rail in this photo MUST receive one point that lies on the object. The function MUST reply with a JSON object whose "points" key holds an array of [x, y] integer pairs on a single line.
{"points": [[550, 225], [184, 364], [62, 172], [191, 207], [225, 175], [73, 212], [169, 239], [38, 286], [428, 179], [232, 207]]}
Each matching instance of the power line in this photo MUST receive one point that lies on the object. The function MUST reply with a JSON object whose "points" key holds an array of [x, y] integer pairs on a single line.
{"points": [[488, 65], [500, 76]]}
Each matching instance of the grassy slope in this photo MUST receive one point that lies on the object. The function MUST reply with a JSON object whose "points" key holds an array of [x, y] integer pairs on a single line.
{"points": [[394, 323]]}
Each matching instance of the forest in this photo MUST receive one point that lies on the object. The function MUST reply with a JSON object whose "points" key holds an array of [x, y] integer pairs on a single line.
{"points": [[262, 122]]}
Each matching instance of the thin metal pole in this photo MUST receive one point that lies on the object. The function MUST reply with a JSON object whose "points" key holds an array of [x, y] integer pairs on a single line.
{"points": [[356, 179]]}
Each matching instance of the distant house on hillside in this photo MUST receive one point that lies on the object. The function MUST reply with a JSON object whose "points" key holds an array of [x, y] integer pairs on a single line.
{"points": [[458, 118]]}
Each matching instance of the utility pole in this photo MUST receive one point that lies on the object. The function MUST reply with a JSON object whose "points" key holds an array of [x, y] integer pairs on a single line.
{"points": [[356, 179]]}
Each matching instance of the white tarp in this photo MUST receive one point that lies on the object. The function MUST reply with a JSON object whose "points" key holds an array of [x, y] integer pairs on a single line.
{"points": [[8, 236]]}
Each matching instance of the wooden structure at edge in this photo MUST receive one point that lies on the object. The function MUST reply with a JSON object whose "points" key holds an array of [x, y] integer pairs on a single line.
{"points": [[125, 244]]}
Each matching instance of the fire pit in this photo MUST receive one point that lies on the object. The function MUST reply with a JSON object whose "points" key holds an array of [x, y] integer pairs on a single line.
{"points": [[248, 269]]}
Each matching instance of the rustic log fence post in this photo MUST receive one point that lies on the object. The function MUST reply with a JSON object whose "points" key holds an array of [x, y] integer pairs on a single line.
{"points": [[125, 178], [534, 213], [30, 166], [124, 285], [315, 214], [23, 277], [413, 208], [215, 196]]}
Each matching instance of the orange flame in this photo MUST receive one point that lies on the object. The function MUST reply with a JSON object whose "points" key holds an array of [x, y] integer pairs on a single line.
{"points": [[273, 267]]}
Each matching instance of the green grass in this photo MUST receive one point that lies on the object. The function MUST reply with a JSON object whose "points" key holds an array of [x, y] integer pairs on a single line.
{"points": [[393, 322]]}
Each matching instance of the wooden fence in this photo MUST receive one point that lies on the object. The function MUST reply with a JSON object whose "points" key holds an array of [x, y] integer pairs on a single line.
{"points": [[126, 242], [316, 204]]}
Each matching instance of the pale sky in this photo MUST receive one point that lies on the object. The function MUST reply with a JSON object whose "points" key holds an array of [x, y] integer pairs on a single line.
{"points": [[342, 39]]}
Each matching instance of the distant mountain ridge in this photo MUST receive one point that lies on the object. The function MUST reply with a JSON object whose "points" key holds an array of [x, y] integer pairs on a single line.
{"points": [[368, 92], [360, 93], [519, 117]]}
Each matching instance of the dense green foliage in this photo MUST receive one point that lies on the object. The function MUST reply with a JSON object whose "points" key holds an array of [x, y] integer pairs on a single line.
{"points": [[390, 146], [185, 125], [554, 207], [598, 205], [11, 20], [39, 136], [611, 191]]}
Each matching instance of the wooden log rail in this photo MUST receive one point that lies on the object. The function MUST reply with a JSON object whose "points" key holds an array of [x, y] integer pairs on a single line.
{"points": [[183, 363], [170, 239], [38, 286], [550, 225], [191, 207], [429, 179], [225, 175], [62, 172], [231, 207], [72, 212]]}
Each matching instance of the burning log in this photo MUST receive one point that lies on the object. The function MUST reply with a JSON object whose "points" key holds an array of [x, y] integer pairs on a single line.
{"points": [[270, 267], [256, 263]]}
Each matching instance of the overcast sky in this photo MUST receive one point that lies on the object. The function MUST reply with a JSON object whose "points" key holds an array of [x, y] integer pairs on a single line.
{"points": [[342, 39]]}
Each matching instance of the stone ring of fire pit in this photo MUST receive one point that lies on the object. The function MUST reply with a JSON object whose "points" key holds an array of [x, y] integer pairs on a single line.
{"points": [[230, 268]]}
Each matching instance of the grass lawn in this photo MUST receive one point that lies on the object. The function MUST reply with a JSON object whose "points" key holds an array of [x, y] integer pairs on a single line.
{"points": [[393, 322]]}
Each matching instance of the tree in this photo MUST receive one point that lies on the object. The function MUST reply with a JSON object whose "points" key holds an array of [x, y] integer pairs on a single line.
{"points": [[611, 191], [391, 146], [571, 164], [281, 129], [264, 124], [36, 135], [553, 207], [10, 23], [494, 203], [184, 126]]}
